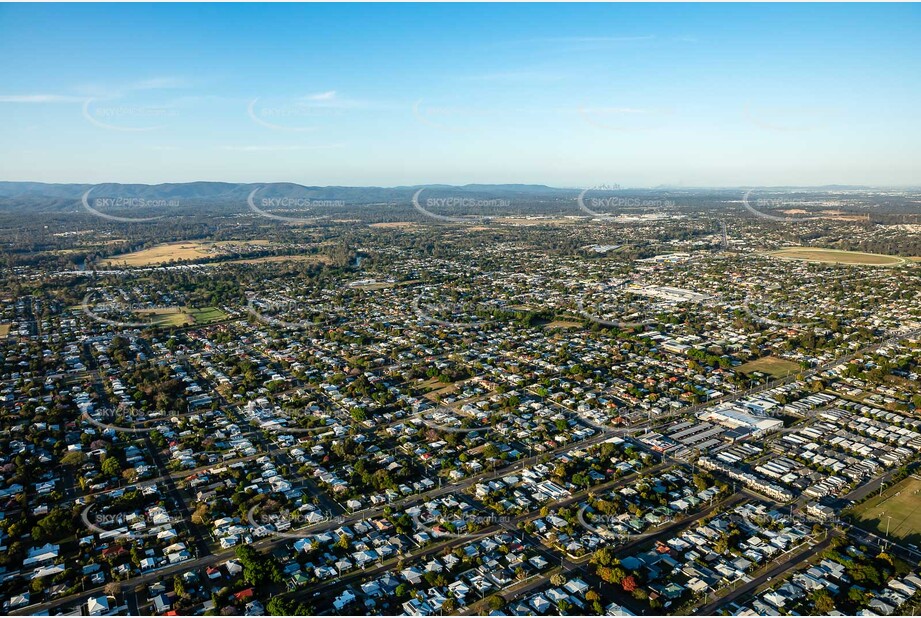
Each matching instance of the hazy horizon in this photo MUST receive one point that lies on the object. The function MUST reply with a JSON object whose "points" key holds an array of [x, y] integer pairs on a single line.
{"points": [[511, 183]]}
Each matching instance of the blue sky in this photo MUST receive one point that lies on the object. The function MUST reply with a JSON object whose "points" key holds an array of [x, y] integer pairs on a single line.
{"points": [[566, 95]]}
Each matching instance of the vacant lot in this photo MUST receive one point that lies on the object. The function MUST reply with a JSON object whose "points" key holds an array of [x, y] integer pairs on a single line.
{"points": [[563, 324], [900, 502], [770, 365], [834, 256], [188, 251], [4, 330]]}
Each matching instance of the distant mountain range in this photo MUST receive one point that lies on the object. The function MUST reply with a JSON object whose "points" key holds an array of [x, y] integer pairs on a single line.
{"points": [[49, 197], [60, 196]]}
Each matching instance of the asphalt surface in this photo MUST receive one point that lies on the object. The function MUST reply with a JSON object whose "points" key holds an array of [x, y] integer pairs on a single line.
{"points": [[204, 561], [795, 560]]}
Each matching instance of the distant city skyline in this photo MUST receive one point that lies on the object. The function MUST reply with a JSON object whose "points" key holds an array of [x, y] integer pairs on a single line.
{"points": [[563, 95]]}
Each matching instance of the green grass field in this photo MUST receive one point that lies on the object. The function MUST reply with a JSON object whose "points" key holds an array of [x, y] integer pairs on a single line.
{"points": [[900, 502], [770, 365], [206, 315], [836, 256], [171, 316], [182, 316]]}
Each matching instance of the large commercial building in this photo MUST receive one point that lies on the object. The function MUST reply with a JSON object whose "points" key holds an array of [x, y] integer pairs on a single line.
{"points": [[740, 418]]}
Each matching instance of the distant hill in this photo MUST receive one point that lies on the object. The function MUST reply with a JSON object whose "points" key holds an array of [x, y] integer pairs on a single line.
{"points": [[62, 197], [228, 197]]}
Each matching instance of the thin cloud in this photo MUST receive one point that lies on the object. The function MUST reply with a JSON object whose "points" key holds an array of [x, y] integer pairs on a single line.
{"points": [[279, 148], [40, 98], [117, 91], [158, 83], [329, 95], [331, 99]]}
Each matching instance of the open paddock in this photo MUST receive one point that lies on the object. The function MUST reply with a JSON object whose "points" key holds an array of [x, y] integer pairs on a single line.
{"points": [[835, 256]]}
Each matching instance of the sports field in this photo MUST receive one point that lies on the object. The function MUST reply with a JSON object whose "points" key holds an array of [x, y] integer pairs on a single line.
{"points": [[770, 365], [206, 315], [900, 502], [835, 256], [181, 316]]}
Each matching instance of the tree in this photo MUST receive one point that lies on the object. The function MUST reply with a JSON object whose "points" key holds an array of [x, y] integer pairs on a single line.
{"points": [[700, 482], [111, 467], [178, 586], [557, 579], [856, 596], [359, 414], [491, 451], [628, 583], [282, 606], [824, 604], [73, 458], [604, 556], [496, 602], [54, 525], [200, 516], [258, 568]]}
